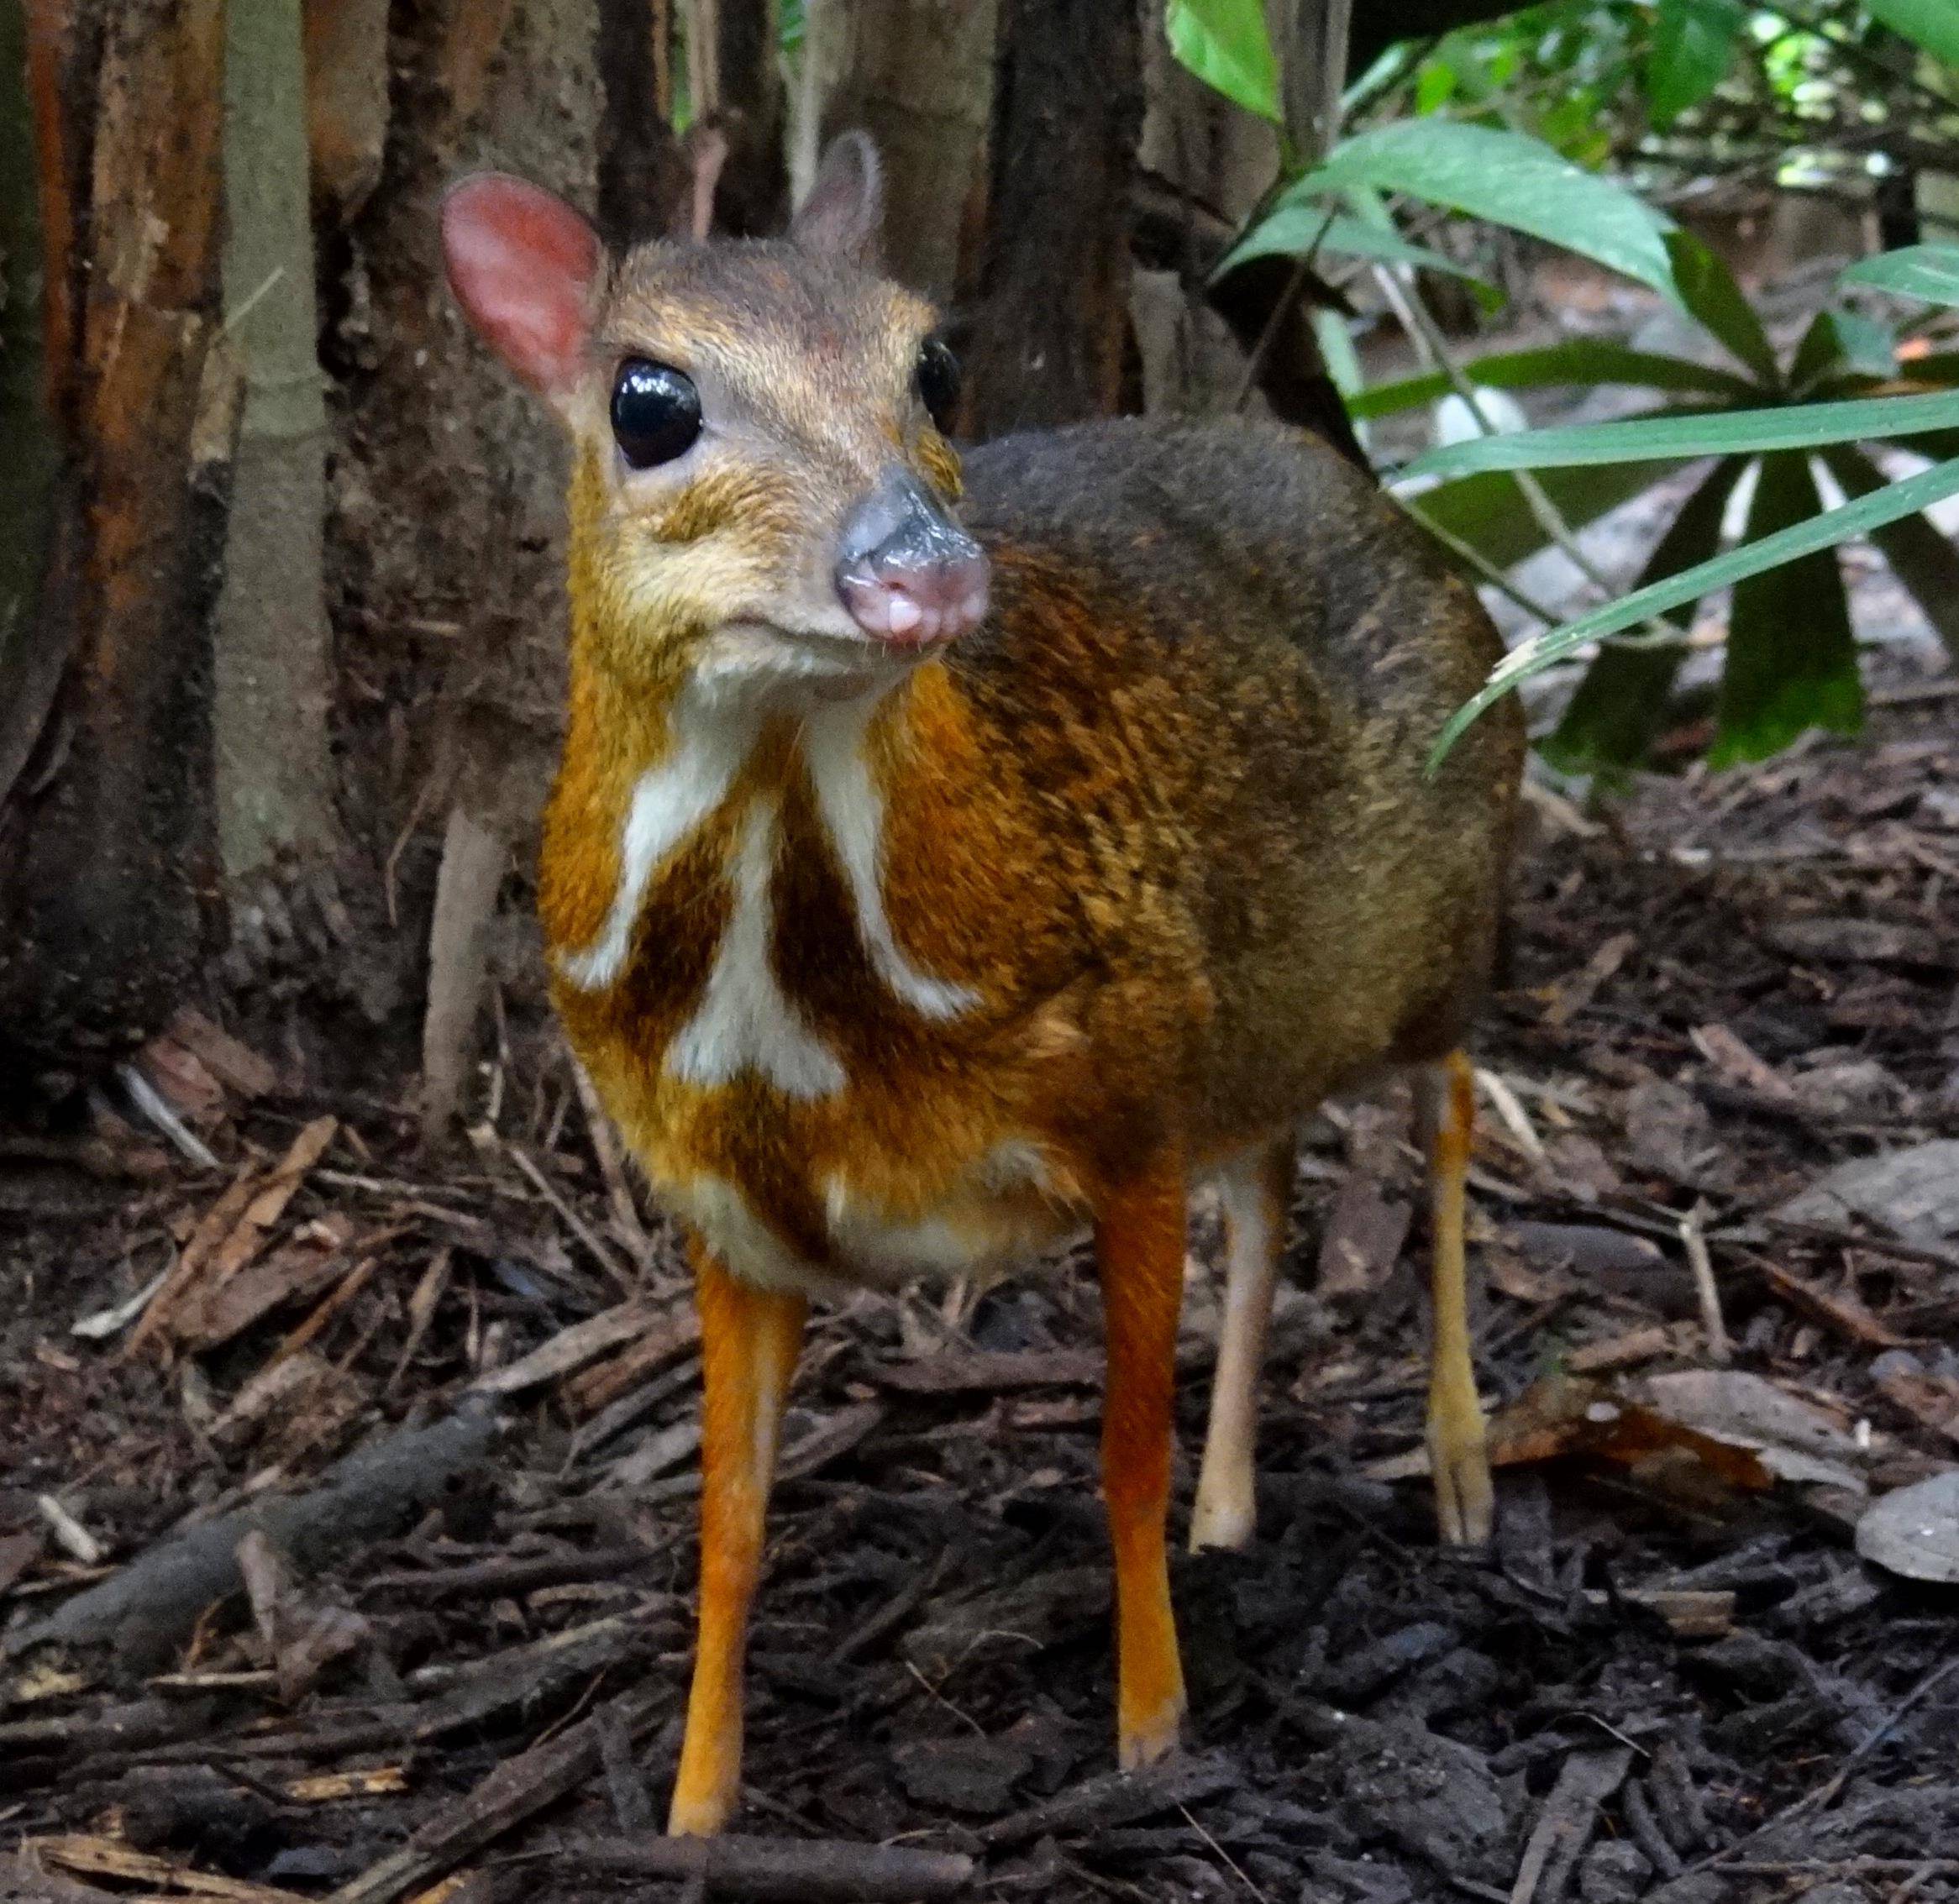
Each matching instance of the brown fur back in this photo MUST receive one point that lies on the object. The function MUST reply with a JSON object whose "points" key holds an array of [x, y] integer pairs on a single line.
{"points": [[1280, 646]]}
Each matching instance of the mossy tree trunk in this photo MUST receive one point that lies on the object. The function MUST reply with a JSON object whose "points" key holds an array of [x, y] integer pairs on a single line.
{"points": [[274, 686]]}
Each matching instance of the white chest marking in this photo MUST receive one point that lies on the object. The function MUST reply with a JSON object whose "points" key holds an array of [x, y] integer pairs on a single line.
{"points": [[669, 802], [853, 813], [745, 1022]]}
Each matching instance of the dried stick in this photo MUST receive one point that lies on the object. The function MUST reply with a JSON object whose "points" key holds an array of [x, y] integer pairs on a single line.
{"points": [[796, 1870]]}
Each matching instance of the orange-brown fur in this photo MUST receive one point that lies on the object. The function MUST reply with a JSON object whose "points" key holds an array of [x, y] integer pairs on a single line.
{"points": [[1193, 892], [1160, 829]]}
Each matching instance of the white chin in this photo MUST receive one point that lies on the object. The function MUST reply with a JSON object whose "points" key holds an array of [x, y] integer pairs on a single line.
{"points": [[756, 656]]}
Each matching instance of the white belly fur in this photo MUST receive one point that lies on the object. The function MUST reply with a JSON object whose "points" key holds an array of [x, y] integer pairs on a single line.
{"points": [[981, 1230]]}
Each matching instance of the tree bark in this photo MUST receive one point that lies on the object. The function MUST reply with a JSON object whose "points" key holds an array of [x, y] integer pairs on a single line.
{"points": [[917, 76], [1051, 342], [106, 847], [644, 178], [346, 102], [35, 251], [736, 84]]}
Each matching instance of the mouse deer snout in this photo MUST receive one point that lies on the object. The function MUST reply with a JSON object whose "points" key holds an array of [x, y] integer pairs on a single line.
{"points": [[906, 572]]}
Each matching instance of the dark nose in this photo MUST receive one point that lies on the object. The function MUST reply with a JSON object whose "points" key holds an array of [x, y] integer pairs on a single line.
{"points": [[908, 574]]}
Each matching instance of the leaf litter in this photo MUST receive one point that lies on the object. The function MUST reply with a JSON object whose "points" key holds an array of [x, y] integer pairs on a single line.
{"points": [[346, 1551]]}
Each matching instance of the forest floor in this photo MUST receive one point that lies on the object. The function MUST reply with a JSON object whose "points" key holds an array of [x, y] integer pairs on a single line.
{"points": [[1713, 1652]]}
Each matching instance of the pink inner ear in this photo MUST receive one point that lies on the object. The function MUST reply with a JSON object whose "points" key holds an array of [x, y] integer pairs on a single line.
{"points": [[521, 264]]}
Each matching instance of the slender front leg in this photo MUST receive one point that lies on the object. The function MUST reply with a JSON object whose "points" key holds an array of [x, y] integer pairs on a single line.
{"points": [[1457, 1442], [1257, 1194], [749, 1338], [1139, 1252]]}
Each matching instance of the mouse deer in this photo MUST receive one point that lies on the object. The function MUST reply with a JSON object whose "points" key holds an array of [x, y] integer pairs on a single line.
{"points": [[948, 859]]}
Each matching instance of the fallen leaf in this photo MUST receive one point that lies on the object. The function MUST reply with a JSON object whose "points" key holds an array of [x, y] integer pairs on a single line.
{"points": [[1795, 1441], [1913, 1193], [1363, 1238], [1915, 1531]]}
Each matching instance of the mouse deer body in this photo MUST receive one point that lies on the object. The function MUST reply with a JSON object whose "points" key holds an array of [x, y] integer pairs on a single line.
{"points": [[918, 895]]}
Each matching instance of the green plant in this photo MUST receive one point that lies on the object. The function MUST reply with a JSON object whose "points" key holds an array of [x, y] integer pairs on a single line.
{"points": [[1791, 660], [1791, 657]]}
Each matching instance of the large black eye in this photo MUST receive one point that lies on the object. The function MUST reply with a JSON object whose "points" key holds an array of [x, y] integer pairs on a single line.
{"points": [[938, 380], [656, 412]]}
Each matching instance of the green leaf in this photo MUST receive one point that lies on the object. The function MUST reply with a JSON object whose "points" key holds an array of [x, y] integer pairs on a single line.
{"points": [[1791, 661], [1721, 432], [1508, 179], [1707, 289], [1820, 350], [1490, 514], [1927, 272], [1225, 42], [1613, 719], [1925, 562], [1579, 361], [1859, 518], [1693, 45], [1932, 25], [1295, 230], [1337, 350]]}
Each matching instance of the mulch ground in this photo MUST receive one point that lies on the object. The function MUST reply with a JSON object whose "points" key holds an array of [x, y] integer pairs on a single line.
{"points": [[437, 1414]]}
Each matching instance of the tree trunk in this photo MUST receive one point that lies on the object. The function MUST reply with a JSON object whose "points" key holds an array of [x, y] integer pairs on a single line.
{"points": [[346, 102], [643, 180], [736, 83], [1051, 341], [917, 76], [273, 687], [1206, 163], [106, 845], [34, 324]]}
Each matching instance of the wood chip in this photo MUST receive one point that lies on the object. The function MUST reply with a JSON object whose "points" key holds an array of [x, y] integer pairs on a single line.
{"points": [[1931, 1400], [514, 1791], [107, 1857], [1622, 1351], [1570, 1816], [1574, 993], [793, 1870], [969, 1373], [1845, 1315], [235, 1229], [1362, 1239], [1860, 942], [1734, 1060], [214, 1314], [574, 1347], [234, 1064], [668, 1339]]}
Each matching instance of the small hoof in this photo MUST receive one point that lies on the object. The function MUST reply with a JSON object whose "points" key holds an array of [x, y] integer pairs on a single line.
{"points": [[1465, 1498], [700, 1816], [1223, 1524], [1144, 1744]]}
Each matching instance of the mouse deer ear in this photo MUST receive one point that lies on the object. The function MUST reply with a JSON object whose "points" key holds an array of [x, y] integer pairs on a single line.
{"points": [[524, 266], [843, 215]]}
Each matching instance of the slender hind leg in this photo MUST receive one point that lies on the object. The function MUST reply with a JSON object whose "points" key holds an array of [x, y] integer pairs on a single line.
{"points": [[749, 1338], [1256, 1194], [1457, 1444], [1139, 1255]]}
